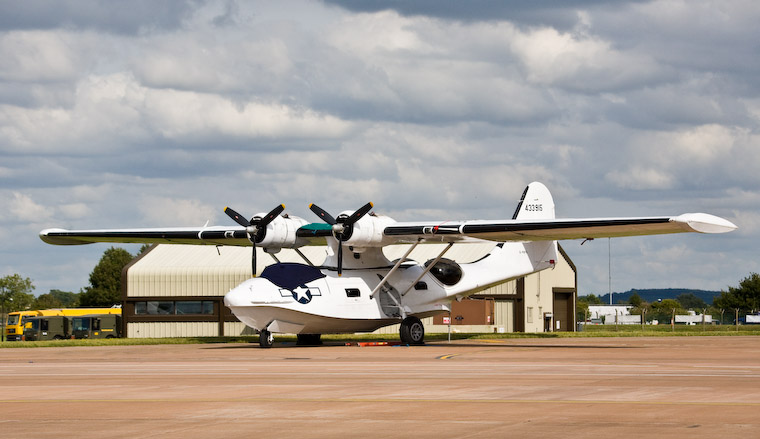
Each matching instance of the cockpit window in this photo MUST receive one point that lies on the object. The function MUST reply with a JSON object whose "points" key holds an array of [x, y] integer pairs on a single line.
{"points": [[290, 275], [446, 271]]}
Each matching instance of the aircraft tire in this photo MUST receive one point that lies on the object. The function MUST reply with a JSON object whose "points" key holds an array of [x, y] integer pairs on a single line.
{"points": [[266, 340], [412, 331]]}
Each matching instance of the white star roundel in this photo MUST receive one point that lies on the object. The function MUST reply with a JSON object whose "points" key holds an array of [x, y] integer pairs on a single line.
{"points": [[301, 294]]}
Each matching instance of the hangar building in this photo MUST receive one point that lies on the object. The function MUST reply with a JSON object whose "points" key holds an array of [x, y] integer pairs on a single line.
{"points": [[178, 291]]}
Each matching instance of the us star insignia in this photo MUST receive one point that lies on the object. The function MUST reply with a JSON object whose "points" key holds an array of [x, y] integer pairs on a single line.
{"points": [[301, 294]]}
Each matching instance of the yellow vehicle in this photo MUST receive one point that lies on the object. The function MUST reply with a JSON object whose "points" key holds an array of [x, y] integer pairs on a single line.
{"points": [[14, 325], [96, 326]]}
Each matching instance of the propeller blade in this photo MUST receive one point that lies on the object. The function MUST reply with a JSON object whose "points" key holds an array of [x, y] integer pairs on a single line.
{"points": [[358, 214], [342, 227], [238, 218], [340, 258], [263, 222], [326, 217], [253, 259]]}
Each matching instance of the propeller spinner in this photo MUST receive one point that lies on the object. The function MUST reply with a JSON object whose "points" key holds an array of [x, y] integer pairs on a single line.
{"points": [[342, 227], [255, 229]]}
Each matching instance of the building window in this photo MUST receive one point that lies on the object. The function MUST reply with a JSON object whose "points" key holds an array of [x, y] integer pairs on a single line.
{"points": [[189, 307], [529, 314], [207, 307], [179, 307], [160, 307], [141, 307]]}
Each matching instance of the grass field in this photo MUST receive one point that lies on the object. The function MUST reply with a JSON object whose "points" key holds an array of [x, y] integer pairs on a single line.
{"points": [[588, 331]]}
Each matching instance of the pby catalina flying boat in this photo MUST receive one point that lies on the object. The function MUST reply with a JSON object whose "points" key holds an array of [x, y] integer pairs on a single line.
{"points": [[363, 290]]}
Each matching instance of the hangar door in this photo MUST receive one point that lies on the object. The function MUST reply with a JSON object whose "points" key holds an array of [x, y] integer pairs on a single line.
{"points": [[504, 314], [563, 313]]}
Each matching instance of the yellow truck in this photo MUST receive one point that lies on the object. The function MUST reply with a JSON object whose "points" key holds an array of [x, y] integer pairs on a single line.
{"points": [[14, 325]]}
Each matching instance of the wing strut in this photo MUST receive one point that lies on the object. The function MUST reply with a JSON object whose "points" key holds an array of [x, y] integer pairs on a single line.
{"points": [[303, 256], [427, 269], [395, 267]]}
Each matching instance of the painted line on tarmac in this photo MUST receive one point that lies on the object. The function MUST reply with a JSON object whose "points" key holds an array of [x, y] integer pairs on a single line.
{"points": [[447, 356]]}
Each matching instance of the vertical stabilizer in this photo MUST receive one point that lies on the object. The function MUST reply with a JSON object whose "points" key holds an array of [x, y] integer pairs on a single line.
{"points": [[536, 203]]}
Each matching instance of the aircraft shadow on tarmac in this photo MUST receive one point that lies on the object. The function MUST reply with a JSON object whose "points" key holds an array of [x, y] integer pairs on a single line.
{"points": [[492, 345]]}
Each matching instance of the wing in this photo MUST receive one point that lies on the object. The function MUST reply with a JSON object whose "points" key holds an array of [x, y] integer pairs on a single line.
{"points": [[171, 235], [310, 234], [557, 229], [461, 231]]}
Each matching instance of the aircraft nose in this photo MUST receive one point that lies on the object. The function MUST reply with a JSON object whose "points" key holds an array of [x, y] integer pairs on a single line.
{"points": [[238, 296]]}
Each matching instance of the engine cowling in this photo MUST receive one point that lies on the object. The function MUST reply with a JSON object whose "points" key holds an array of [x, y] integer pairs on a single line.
{"points": [[280, 233], [368, 232]]}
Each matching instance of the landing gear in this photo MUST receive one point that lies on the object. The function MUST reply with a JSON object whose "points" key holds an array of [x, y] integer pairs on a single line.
{"points": [[412, 331], [309, 340], [266, 339]]}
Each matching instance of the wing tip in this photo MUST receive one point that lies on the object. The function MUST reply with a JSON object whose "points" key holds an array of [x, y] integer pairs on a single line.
{"points": [[58, 237], [706, 223]]}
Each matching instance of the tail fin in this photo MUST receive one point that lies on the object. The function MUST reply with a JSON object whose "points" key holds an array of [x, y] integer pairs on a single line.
{"points": [[536, 203]]}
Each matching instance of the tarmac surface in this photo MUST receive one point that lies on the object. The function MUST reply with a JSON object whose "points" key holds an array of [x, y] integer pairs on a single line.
{"points": [[575, 387]]}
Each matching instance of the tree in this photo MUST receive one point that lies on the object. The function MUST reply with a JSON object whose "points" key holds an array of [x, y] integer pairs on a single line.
{"points": [[636, 300], [591, 299], [47, 301], [581, 310], [691, 301], [67, 298], [56, 299], [581, 305], [105, 279], [15, 293], [662, 310], [746, 296]]}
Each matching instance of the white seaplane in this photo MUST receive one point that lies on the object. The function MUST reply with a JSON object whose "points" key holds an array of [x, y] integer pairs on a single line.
{"points": [[366, 291]]}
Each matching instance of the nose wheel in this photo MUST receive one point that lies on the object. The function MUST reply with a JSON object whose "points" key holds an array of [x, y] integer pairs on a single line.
{"points": [[412, 331], [266, 339]]}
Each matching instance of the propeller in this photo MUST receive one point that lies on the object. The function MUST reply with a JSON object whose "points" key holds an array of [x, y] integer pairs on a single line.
{"points": [[342, 227], [255, 229]]}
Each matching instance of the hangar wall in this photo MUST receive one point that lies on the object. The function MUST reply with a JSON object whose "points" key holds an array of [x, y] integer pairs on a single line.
{"points": [[178, 291]]}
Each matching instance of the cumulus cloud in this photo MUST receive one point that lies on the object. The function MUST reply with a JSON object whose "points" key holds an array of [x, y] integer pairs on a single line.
{"points": [[115, 112], [163, 114], [582, 62], [23, 208], [37, 57], [180, 212]]}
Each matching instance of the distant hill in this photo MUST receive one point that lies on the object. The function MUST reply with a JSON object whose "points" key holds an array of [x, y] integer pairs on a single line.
{"points": [[651, 295]]}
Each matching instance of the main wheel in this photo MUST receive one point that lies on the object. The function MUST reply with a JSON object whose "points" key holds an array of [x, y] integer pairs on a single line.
{"points": [[412, 331], [266, 339]]}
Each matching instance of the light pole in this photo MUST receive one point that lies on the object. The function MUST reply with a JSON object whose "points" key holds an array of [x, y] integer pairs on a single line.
{"points": [[609, 267], [4, 297]]}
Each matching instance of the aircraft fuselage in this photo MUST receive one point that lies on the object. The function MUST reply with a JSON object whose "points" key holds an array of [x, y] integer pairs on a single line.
{"points": [[297, 298]]}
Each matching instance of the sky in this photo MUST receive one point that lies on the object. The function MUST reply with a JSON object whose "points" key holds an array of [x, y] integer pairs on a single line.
{"points": [[152, 114]]}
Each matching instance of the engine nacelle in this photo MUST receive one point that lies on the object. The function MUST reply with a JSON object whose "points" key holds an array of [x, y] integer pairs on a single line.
{"points": [[280, 233], [368, 232]]}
